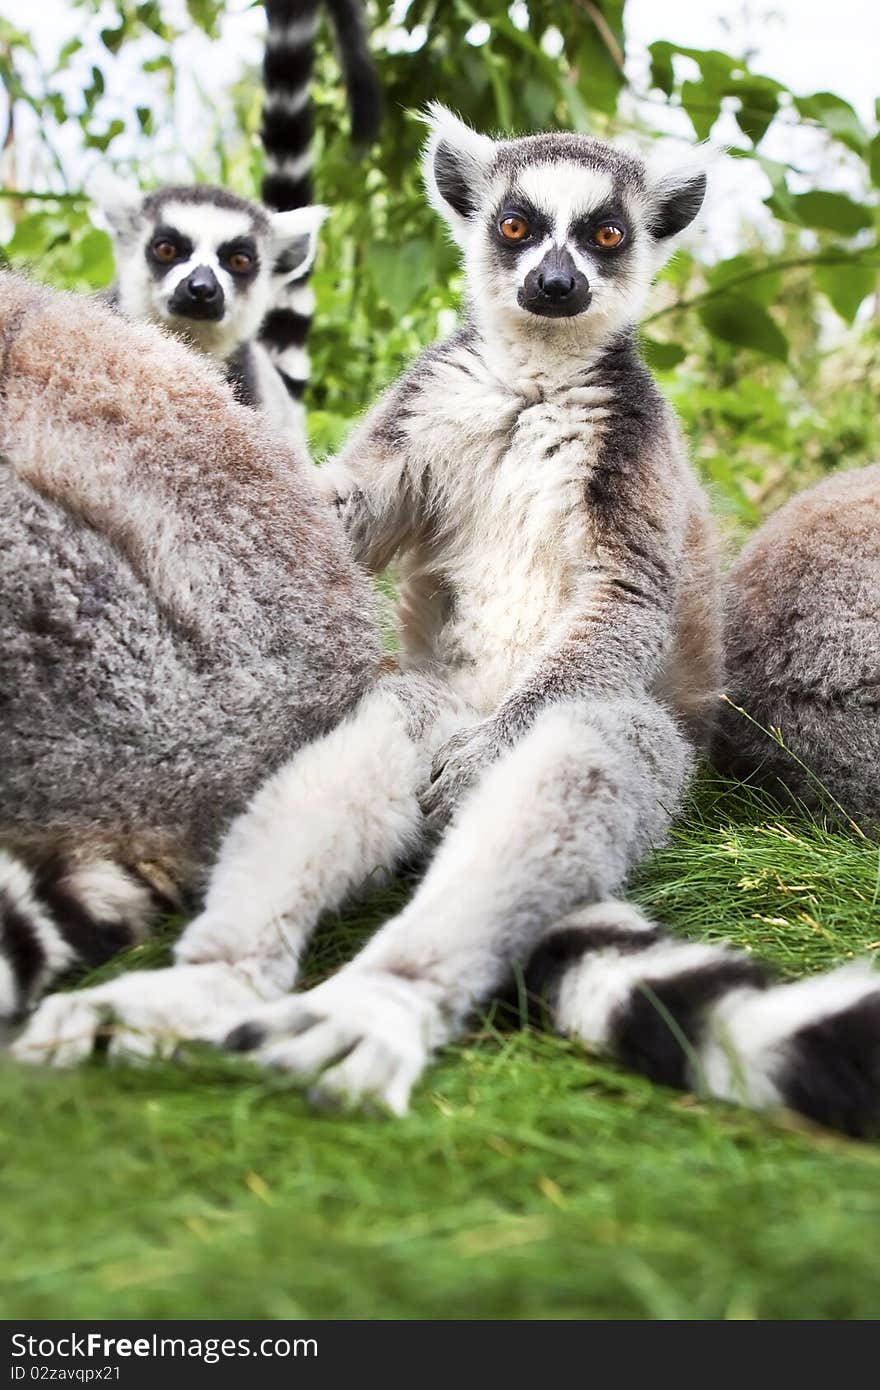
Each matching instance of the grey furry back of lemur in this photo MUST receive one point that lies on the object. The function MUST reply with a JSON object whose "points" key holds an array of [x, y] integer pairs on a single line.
{"points": [[803, 649], [178, 613]]}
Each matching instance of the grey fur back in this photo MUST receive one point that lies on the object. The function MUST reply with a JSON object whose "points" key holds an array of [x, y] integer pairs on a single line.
{"points": [[177, 610], [803, 647]]}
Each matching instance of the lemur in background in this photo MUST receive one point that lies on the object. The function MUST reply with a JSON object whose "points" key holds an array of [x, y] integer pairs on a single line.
{"points": [[229, 275], [560, 661], [803, 650], [178, 613]]}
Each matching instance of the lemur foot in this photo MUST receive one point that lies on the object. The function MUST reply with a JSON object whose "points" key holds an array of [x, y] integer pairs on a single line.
{"points": [[145, 1013], [362, 1039]]}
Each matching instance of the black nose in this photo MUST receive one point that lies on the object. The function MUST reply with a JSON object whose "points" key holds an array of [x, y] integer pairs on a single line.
{"points": [[555, 289], [199, 296], [202, 286], [556, 285]]}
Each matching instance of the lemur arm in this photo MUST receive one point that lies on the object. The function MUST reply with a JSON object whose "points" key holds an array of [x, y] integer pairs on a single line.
{"points": [[375, 485]]}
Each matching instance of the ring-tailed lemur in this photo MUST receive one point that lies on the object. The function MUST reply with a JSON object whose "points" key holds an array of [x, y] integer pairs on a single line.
{"points": [[803, 650], [561, 655], [230, 275], [177, 614]]}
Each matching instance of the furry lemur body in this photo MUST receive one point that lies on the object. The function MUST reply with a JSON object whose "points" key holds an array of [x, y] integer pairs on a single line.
{"points": [[178, 614], [228, 275], [802, 642], [560, 662]]}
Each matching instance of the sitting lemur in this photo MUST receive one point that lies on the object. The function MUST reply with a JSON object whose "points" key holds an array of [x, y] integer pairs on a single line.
{"points": [[178, 613], [560, 663], [228, 275], [802, 641]]}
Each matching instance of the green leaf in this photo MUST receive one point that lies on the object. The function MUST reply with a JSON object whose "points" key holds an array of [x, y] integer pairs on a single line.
{"points": [[662, 74], [759, 102], [400, 272], [32, 235], [875, 161], [836, 115], [703, 107], [94, 141], [847, 286], [112, 39], [832, 212], [761, 287], [745, 324], [599, 78], [661, 357], [94, 258]]}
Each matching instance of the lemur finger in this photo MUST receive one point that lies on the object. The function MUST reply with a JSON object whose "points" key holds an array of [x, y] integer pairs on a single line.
{"points": [[63, 1031], [307, 1054], [373, 1076], [283, 1018]]}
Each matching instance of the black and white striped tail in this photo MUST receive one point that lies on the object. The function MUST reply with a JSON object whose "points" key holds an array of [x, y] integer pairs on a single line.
{"points": [[705, 1017], [62, 913], [287, 129]]}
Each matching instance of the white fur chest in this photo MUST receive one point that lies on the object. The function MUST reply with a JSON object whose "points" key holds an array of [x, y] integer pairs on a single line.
{"points": [[506, 469]]}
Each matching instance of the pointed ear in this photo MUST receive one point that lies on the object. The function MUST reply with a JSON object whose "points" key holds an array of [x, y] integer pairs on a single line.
{"points": [[455, 165], [675, 199], [295, 240], [119, 202]]}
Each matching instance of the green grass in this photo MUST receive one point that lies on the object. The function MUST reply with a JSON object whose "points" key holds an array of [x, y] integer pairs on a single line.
{"points": [[528, 1180]]}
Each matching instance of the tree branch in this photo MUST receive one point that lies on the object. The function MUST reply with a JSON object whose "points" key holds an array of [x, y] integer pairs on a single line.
{"points": [[794, 263]]}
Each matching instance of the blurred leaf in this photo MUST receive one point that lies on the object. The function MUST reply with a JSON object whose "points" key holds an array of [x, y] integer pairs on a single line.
{"points": [[744, 323], [401, 272], [833, 212], [762, 288], [661, 357], [836, 115], [702, 107], [112, 39], [759, 102], [847, 286], [662, 73], [102, 141], [875, 160], [598, 77], [93, 259], [33, 233]]}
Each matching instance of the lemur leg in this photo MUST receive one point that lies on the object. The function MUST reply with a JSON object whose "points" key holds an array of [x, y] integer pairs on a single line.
{"points": [[559, 820], [340, 809], [688, 1014]]}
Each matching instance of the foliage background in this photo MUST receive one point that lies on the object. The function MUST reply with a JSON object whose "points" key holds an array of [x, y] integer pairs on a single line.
{"points": [[770, 353]]}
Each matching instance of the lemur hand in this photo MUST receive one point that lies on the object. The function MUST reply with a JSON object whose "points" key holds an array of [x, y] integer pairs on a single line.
{"points": [[360, 1039], [457, 767], [334, 483], [144, 1013]]}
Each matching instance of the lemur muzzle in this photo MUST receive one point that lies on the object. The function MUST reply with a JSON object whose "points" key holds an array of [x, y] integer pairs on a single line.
{"points": [[555, 288], [199, 296]]}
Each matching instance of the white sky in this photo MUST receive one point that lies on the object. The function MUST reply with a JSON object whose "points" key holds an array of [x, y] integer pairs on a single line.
{"points": [[810, 45]]}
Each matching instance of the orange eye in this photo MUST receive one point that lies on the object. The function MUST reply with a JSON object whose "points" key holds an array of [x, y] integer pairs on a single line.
{"points": [[165, 251], [608, 236], [240, 262], [514, 228]]}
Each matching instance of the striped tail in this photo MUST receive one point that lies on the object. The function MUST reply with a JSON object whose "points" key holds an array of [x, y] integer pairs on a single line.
{"points": [[64, 911], [705, 1017], [287, 129]]}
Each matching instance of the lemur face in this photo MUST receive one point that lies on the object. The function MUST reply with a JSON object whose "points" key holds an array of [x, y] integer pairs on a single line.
{"points": [[205, 263], [561, 233]]}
